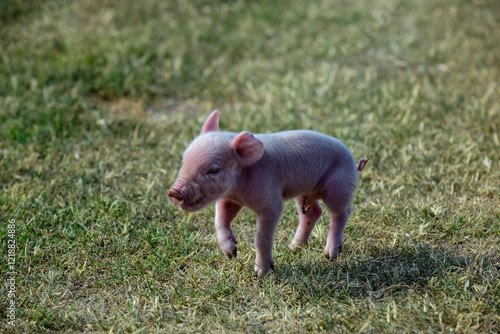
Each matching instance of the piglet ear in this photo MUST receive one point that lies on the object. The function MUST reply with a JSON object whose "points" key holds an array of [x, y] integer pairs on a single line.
{"points": [[212, 123], [248, 148]]}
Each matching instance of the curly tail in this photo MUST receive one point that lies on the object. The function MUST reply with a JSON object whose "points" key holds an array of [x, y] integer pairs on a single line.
{"points": [[362, 163]]}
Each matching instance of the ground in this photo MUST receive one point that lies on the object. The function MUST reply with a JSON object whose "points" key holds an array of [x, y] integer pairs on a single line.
{"points": [[98, 101]]}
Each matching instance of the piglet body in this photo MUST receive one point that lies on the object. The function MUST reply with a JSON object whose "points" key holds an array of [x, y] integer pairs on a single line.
{"points": [[261, 171]]}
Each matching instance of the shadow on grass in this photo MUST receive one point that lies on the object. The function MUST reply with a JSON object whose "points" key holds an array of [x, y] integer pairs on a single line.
{"points": [[388, 272]]}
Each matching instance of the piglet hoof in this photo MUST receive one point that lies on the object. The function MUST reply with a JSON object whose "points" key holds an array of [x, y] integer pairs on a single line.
{"points": [[229, 249], [331, 253], [228, 246], [297, 244], [262, 270]]}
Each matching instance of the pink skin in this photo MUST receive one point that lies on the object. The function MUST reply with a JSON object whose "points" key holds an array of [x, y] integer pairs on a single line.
{"points": [[261, 171]]}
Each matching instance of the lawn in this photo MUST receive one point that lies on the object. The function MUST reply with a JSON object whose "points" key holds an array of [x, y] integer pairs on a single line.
{"points": [[98, 100]]}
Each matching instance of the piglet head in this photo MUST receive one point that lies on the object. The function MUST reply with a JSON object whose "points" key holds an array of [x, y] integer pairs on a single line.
{"points": [[212, 164]]}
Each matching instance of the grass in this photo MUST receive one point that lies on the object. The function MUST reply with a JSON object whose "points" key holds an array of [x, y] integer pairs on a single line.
{"points": [[98, 101]]}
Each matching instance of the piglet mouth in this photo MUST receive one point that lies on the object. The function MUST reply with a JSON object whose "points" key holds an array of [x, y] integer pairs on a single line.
{"points": [[198, 201]]}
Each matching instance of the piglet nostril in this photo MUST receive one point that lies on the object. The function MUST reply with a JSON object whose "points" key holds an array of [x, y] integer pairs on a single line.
{"points": [[175, 195]]}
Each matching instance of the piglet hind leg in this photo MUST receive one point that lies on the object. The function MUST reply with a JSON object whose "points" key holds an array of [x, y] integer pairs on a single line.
{"points": [[267, 220], [309, 213], [334, 240], [224, 215], [340, 189]]}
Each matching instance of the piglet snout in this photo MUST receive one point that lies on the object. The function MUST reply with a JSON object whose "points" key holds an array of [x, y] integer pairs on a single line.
{"points": [[175, 196]]}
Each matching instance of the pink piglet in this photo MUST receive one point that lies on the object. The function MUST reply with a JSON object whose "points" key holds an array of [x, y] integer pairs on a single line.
{"points": [[260, 171]]}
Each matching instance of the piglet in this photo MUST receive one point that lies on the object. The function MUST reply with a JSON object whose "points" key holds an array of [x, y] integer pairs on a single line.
{"points": [[260, 171]]}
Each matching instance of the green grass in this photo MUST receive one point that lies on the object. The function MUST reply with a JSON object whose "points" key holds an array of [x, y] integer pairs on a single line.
{"points": [[99, 99]]}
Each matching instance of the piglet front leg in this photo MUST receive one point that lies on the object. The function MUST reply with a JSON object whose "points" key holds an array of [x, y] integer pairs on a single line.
{"points": [[224, 214], [267, 220]]}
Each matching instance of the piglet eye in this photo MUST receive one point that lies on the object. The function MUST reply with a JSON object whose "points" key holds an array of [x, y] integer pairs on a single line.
{"points": [[213, 171]]}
